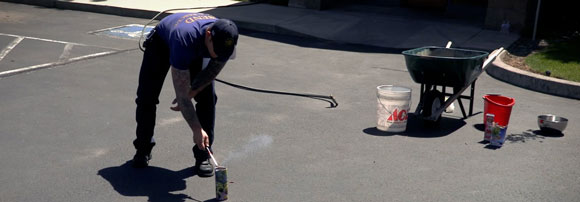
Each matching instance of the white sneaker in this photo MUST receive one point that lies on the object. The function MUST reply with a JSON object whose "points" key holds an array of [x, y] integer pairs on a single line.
{"points": [[451, 107]]}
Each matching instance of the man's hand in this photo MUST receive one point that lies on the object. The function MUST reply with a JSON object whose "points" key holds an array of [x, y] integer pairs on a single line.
{"points": [[176, 107], [183, 92], [201, 139]]}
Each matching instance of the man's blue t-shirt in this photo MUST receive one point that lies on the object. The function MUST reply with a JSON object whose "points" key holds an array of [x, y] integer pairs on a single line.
{"points": [[184, 33]]}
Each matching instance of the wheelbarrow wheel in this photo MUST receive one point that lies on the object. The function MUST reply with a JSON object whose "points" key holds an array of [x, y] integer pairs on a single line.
{"points": [[433, 100]]}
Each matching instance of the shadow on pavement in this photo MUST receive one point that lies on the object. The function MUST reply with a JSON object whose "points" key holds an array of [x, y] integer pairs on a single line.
{"points": [[523, 137], [153, 182], [416, 128], [311, 42], [531, 135], [479, 126], [548, 133], [526, 136]]}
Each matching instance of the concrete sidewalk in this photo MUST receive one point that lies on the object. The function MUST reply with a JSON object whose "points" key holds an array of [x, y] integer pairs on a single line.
{"points": [[387, 27]]}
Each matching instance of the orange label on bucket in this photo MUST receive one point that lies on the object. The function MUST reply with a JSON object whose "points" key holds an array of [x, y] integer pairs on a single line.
{"points": [[398, 116]]}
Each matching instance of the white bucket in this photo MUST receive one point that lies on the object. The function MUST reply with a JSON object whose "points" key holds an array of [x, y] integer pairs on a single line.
{"points": [[393, 105]]}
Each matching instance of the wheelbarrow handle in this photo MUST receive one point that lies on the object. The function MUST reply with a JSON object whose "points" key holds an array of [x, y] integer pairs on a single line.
{"points": [[492, 56]]}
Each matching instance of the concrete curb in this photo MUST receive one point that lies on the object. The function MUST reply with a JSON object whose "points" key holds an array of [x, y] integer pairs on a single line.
{"points": [[88, 8], [111, 10], [45, 3], [540, 83]]}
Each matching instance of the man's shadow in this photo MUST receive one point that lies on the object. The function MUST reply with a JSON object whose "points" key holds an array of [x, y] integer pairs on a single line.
{"points": [[153, 182]]}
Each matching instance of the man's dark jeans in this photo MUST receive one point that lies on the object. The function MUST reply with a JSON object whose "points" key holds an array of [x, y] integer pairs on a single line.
{"points": [[154, 69]]}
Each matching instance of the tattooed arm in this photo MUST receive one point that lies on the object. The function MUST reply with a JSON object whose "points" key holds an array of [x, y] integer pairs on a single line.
{"points": [[181, 83], [206, 76], [202, 79]]}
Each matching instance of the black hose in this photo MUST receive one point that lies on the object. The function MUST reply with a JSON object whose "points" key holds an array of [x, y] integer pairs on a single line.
{"points": [[328, 98]]}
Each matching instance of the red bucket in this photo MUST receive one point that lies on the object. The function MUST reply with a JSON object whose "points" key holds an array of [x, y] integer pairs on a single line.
{"points": [[500, 106]]}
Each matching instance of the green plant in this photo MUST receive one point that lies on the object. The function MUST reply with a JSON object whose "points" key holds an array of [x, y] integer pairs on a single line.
{"points": [[561, 58]]}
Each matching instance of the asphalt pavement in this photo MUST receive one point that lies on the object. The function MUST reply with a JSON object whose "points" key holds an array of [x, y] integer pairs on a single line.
{"points": [[67, 129]]}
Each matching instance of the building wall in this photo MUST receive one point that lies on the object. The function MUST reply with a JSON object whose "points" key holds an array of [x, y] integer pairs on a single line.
{"points": [[512, 11], [498, 11], [311, 4]]}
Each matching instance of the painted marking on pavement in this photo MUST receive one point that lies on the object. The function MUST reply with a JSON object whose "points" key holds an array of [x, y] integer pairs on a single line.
{"points": [[41, 39], [63, 59], [10, 47], [52, 64], [65, 52], [131, 31]]}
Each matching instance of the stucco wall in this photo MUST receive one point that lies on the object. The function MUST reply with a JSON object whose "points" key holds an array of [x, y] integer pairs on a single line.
{"points": [[513, 11]]}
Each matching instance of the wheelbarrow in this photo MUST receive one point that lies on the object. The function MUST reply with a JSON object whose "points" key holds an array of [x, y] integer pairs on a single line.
{"points": [[433, 66]]}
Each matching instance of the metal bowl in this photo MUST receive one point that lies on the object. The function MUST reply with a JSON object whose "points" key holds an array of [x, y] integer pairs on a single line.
{"points": [[552, 123]]}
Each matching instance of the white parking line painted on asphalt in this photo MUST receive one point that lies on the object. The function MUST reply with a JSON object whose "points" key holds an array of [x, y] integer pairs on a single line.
{"points": [[10, 46], [54, 41], [63, 59], [41, 39], [47, 65]]}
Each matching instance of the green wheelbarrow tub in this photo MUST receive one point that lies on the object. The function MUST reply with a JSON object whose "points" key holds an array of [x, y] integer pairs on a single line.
{"points": [[444, 66]]}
